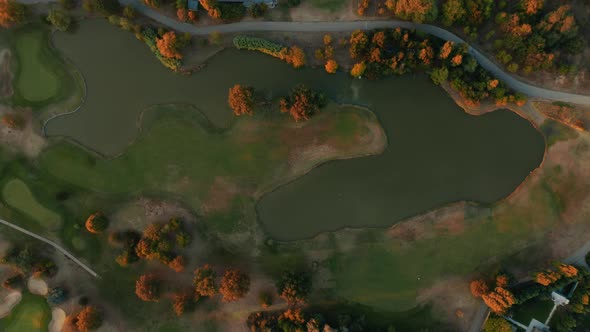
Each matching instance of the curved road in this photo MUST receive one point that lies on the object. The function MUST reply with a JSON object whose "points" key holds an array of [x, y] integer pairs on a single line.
{"points": [[525, 88], [53, 244]]}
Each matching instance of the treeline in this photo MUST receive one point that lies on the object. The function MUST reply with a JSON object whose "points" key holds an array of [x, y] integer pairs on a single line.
{"points": [[396, 52], [292, 55], [527, 35]]}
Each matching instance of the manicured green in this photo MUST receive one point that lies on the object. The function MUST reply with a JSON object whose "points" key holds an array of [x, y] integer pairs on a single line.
{"points": [[36, 80], [18, 195], [32, 314]]}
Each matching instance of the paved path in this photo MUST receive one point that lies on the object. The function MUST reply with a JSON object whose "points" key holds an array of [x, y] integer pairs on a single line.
{"points": [[525, 88], [480, 317], [53, 244]]}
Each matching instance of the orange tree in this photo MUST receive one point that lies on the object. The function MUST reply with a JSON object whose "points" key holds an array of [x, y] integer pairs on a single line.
{"points": [[147, 288], [168, 45], [88, 319], [302, 103], [234, 285], [413, 10], [331, 66], [97, 223], [11, 13], [241, 99], [204, 281], [478, 287], [294, 287]]}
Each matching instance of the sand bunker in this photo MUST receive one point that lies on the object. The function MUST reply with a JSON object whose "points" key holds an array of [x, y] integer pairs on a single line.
{"points": [[37, 286], [9, 302], [58, 317]]}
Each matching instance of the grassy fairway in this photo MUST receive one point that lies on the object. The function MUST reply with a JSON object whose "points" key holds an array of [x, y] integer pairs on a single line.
{"points": [[32, 314], [17, 194], [182, 154]]}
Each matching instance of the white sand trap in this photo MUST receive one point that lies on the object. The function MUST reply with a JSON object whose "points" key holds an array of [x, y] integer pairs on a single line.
{"points": [[9, 302], [58, 317], [37, 286]]}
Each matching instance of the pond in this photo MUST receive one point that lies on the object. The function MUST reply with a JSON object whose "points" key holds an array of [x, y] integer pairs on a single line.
{"points": [[437, 154]]}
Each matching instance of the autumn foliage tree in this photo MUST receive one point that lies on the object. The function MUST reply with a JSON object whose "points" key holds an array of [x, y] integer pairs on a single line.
{"points": [[89, 319], [546, 278], [241, 99], [212, 8], [234, 285], [478, 287], [168, 45], [414, 10], [362, 7], [96, 223], [204, 281], [358, 69], [11, 13], [294, 56], [302, 103], [331, 66], [147, 288], [177, 264], [531, 7], [294, 287], [568, 271], [180, 301], [499, 300]]}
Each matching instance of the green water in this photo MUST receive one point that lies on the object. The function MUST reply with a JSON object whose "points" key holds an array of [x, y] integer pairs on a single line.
{"points": [[437, 154]]}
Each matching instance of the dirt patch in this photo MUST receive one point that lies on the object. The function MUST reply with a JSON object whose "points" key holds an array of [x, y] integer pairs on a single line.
{"points": [[575, 116], [5, 74], [26, 140], [452, 301], [37, 286], [58, 318], [9, 302], [144, 211], [221, 195]]}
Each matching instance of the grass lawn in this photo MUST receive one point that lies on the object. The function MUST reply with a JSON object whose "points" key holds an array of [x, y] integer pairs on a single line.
{"points": [[535, 308], [180, 153], [555, 132], [17, 194], [329, 5], [32, 314]]}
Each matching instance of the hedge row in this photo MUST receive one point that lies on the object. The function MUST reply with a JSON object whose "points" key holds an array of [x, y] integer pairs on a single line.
{"points": [[257, 44]]}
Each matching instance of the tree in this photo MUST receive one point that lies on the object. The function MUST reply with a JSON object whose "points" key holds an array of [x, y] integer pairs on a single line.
{"points": [[531, 7], [177, 264], [97, 223], [327, 39], [258, 10], [302, 103], [204, 281], [212, 8], [331, 66], [439, 75], [57, 295], [11, 13], [478, 287], [59, 19], [180, 301], [446, 50], [502, 280], [362, 7], [453, 11], [168, 46], [234, 285], [147, 288], [241, 99], [15, 282], [129, 12], [88, 319], [568, 271], [358, 69], [294, 56], [358, 44], [414, 10], [546, 278], [497, 324], [499, 300], [182, 14], [13, 121], [294, 287]]}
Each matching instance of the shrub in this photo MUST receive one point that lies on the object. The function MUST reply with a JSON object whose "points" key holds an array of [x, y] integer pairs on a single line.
{"points": [[96, 223], [60, 20], [57, 296]]}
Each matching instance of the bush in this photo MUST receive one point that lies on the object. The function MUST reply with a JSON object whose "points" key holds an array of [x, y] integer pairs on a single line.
{"points": [[59, 19], [257, 44], [57, 296]]}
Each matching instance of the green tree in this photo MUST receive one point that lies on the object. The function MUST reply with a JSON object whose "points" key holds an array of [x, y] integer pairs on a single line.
{"points": [[453, 11], [497, 324], [294, 287], [439, 75]]}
